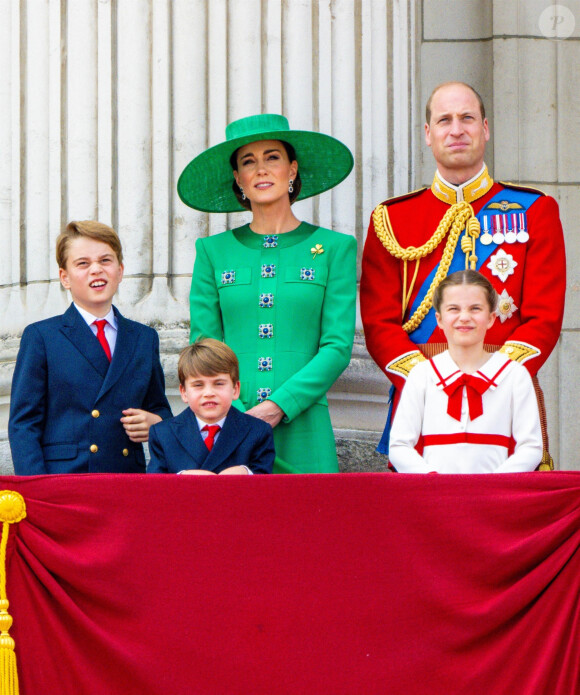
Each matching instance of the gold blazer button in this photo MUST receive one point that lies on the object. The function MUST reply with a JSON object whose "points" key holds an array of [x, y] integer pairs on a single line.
{"points": [[94, 448], [125, 452], [95, 413]]}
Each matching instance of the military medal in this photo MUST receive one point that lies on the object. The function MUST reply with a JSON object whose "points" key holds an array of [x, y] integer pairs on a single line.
{"points": [[522, 235], [506, 307], [497, 237], [486, 237], [510, 234], [502, 265]]}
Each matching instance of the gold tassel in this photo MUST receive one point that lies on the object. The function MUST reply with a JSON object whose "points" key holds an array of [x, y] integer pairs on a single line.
{"points": [[547, 462], [12, 510]]}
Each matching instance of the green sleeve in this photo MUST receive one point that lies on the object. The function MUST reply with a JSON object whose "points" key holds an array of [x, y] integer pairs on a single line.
{"points": [[311, 383]]}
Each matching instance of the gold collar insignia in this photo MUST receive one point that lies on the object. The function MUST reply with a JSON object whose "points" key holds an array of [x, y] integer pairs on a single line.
{"points": [[468, 192]]}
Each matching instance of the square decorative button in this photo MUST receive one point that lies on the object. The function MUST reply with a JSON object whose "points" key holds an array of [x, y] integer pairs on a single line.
{"points": [[266, 300], [269, 270], [228, 277], [266, 330], [265, 364], [307, 273], [271, 241], [263, 394]]}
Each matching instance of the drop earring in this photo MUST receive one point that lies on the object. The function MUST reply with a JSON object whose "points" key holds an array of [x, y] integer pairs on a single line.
{"points": [[242, 192], [290, 186]]}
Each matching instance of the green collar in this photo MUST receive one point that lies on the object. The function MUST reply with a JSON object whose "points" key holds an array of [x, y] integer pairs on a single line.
{"points": [[257, 241]]}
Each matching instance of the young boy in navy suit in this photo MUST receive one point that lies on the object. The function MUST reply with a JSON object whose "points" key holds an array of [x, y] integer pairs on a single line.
{"points": [[210, 436], [88, 384]]}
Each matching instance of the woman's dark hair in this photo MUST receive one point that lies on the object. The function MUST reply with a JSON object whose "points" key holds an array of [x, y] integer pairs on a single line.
{"points": [[297, 185]]}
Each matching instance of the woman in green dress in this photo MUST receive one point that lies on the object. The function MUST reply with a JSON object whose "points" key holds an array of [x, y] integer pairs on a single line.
{"points": [[280, 292]]}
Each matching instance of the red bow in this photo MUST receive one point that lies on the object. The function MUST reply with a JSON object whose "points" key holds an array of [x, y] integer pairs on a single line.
{"points": [[475, 387]]}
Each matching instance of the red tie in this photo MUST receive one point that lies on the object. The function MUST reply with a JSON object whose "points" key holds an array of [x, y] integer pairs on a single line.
{"points": [[102, 338], [211, 430], [475, 387]]}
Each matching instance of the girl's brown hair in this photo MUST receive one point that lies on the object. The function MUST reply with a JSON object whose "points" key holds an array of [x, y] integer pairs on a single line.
{"points": [[465, 277]]}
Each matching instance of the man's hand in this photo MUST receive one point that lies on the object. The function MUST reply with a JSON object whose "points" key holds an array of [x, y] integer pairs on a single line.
{"points": [[137, 423]]}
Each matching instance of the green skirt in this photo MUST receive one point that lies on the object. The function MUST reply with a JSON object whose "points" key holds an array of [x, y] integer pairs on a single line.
{"points": [[306, 445]]}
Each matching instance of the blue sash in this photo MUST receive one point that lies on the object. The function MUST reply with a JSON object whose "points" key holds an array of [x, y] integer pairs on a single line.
{"points": [[512, 195]]}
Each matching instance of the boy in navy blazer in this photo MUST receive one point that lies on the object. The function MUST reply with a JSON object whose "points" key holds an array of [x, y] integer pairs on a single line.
{"points": [[88, 384], [210, 436]]}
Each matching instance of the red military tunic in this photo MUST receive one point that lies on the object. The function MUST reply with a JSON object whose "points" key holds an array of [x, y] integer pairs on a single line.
{"points": [[528, 274]]}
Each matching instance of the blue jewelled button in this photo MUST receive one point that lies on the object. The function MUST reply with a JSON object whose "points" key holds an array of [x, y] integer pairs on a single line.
{"points": [[263, 394], [269, 270], [270, 241], [228, 277], [265, 364], [266, 300], [307, 273], [266, 330]]}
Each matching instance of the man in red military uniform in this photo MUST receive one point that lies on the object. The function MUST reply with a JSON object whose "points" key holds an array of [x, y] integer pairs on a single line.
{"points": [[509, 233]]}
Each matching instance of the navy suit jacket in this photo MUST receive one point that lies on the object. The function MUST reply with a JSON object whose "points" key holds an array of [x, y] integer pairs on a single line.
{"points": [[177, 445], [67, 399]]}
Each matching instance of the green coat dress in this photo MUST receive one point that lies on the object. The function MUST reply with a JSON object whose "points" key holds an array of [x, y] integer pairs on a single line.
{"points": [[288, 313]]}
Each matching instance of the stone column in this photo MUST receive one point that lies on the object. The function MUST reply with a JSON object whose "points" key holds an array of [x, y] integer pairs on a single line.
{"points": [[104, 103]]}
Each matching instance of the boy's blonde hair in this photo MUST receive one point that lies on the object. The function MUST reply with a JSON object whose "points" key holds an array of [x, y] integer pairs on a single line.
{"points": [[465, 277], [207, 357], [90, 229]]}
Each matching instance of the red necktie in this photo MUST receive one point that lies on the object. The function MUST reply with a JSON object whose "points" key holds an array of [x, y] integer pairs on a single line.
{"points": [[102, 338], [211, 430], [475, 388]]}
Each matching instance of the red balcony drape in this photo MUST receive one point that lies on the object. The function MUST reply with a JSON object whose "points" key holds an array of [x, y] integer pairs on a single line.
{"points": [[354, 583]]}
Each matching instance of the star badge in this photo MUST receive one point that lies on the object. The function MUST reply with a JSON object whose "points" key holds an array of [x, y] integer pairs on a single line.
{"points": [[502, 265], [506, 307]]}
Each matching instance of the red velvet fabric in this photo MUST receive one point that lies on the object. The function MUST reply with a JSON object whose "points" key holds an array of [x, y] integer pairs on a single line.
{"points": [[355, 584]]}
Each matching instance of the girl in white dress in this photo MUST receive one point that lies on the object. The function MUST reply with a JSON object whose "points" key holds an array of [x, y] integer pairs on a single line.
{"points": [[466, 410]]}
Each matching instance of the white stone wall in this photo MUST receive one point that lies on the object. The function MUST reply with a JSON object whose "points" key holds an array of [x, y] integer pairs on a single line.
{"points": [[103, 102]]}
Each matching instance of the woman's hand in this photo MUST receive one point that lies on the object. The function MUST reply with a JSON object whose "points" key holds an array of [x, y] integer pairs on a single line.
{"points": [[267, 411]]}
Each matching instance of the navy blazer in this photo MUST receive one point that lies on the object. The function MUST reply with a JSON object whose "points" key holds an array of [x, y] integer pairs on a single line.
{"points": [[177, 445], [67, 399]]}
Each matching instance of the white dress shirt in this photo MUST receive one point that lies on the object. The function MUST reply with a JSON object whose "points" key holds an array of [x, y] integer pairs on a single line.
{"points": [[110, 326]]}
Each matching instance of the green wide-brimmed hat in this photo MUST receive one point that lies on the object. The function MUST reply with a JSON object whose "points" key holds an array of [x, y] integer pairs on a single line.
{"points": [[206, 182]]}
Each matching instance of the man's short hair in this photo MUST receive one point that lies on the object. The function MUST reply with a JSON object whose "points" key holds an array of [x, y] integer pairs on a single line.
{"points": [[207, 357], [90, 229], [446, 84]]}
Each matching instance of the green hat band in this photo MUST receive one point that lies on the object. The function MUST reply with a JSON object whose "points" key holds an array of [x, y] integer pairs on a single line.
{"points": [[256, 125]]}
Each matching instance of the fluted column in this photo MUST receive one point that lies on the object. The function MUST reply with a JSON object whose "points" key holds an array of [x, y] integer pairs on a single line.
{"points": [[104, 102]]}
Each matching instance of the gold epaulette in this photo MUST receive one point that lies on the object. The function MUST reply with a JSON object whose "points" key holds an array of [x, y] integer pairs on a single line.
{"points": [[519, 352], [518, 187], [405, 363]]}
